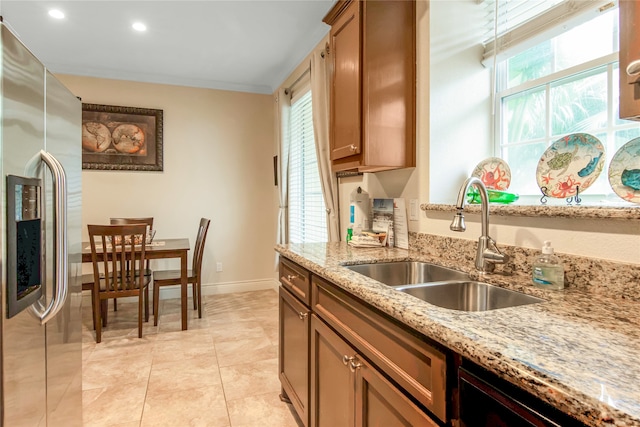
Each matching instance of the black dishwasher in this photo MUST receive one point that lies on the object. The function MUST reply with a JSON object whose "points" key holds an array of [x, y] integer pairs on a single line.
{"points": [[489, 401]]}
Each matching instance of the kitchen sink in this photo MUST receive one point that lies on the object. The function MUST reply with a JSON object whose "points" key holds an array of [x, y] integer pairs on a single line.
{"points": [[466, 295], [401, 273]]}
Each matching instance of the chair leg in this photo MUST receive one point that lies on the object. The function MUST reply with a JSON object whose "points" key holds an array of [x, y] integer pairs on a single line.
{"points": [[195, 295], [199, 285], [97, 311], [140, 297], [115, 304], [146, 303], [93, 310], [104, 309], [156, 303]]}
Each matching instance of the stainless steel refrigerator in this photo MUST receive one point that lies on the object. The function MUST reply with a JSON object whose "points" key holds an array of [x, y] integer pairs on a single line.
{"points": [[40, 169]]}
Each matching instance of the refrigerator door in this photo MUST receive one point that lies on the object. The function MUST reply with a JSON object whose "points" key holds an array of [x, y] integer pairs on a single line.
{"points": [[42, 362], [64, 332], [23, 338]]}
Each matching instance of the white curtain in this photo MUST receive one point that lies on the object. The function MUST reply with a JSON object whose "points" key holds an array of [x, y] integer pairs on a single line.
{"points": [[320, 106], [283, 107]]}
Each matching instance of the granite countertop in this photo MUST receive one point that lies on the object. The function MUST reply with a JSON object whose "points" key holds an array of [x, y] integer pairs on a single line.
{"points": [[576, 351]]}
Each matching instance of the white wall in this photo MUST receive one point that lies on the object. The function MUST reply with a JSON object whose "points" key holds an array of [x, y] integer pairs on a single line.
{"points": [[454, 134], [460, 129], [218, 148]]}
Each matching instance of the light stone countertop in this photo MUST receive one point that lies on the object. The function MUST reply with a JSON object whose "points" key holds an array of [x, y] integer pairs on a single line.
{"points": [[577, 351], [625, 212]]}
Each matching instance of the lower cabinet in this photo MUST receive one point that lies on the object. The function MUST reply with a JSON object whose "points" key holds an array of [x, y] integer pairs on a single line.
{"points": [[293, 357], [416, 366], [348, 391], [342, 363]]}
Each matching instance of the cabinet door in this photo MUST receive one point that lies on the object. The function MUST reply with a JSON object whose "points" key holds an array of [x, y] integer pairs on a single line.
{"points": [[346, 87], [629, 57], [332, 383], [380, 403], [294, 352], [388, 83]]}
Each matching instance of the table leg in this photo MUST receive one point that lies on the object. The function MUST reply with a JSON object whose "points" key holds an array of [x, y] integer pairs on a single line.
{"points": [[183, 289]]}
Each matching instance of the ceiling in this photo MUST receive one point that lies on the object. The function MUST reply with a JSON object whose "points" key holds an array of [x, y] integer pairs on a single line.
{"points": [[239, 45]]}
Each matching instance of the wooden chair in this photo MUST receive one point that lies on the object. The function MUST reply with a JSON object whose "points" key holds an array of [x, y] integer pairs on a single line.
{"points": [[113, 247], [122, 221], [87, 279], [172, 277]]}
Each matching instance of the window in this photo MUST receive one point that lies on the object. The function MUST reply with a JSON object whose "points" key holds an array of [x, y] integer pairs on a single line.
{"points": [[307, 213], [564, 84]]}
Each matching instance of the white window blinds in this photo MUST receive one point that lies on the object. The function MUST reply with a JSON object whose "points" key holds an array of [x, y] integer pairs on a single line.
{"points": [[519, 24], [307, 212]]}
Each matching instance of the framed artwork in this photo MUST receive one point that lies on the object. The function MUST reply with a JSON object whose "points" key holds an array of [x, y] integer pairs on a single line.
{"points": [[121, 138]]}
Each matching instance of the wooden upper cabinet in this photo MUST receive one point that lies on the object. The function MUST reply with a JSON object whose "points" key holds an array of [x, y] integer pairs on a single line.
{"points": [[346, 93], [629, 60], [373, 57]]}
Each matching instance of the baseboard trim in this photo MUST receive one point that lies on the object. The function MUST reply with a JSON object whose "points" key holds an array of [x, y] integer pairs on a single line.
{"points": [[168, 292]]}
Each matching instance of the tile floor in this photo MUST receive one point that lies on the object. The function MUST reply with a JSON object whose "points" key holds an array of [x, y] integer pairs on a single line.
{"points": [[222, 372]]}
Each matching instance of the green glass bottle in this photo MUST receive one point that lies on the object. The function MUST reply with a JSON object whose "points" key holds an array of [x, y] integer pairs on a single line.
{"points": [[349, 234], [495, 196]]}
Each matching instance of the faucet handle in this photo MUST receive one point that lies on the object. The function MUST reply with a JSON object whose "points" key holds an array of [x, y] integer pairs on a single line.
{"points": [[493, 254]]}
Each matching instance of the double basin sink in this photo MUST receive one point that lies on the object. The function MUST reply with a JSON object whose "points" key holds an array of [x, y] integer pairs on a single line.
{"points": [[443, 286]]}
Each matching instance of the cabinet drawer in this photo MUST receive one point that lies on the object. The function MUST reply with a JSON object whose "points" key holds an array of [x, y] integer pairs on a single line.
{"points": [[416, 366], [296, 280]]}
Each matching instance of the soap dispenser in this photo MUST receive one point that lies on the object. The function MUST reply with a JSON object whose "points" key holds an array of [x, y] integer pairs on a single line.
{"points": [[548, 272]]}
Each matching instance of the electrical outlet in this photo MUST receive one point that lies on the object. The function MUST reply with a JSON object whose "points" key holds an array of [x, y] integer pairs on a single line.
{"points": [[413, 210], [218, 266]]}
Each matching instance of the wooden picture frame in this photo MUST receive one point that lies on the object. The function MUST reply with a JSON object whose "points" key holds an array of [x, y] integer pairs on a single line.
{"points": [[275, 170], [121, 138]]}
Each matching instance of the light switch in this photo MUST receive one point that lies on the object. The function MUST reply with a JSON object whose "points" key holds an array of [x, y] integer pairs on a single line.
{"points": [[413, 209]]}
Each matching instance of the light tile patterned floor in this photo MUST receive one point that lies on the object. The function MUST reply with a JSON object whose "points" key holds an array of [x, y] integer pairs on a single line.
{"points": [[222, 372]]}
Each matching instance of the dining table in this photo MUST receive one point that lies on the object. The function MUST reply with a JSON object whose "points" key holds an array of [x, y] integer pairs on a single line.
{"points": [[162, 249]]}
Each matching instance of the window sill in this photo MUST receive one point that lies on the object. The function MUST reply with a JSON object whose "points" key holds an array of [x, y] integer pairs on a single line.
{"points": [[582, 211]]}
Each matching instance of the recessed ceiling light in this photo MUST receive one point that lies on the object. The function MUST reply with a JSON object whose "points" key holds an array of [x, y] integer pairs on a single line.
{"points": [[55, 13], [139, 26]]}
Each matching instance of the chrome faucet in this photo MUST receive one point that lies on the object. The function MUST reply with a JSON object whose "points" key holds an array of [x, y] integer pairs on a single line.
{"points": [[488, 253]]}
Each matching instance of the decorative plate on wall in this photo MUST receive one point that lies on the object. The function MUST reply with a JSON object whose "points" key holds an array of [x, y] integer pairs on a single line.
{"points": [[624, 171], [573, 162], [494, 173]]}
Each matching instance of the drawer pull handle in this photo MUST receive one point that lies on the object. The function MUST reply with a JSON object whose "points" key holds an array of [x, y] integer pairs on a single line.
{"points": [[346, 359], [290, 277], [302, 315], [354, 365]]}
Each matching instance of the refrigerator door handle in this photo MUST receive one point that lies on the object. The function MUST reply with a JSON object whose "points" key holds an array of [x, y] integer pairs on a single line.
{"points": [[61, 251]]}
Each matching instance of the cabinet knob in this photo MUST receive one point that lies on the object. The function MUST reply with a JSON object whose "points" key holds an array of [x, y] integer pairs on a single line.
{"points": [[353, 147], [302, 315], [633, 69], [290, 277], [354, 365], [346, 359]]}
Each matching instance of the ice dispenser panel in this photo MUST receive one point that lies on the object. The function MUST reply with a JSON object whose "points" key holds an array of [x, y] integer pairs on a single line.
{"points": [[24, 243]]}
